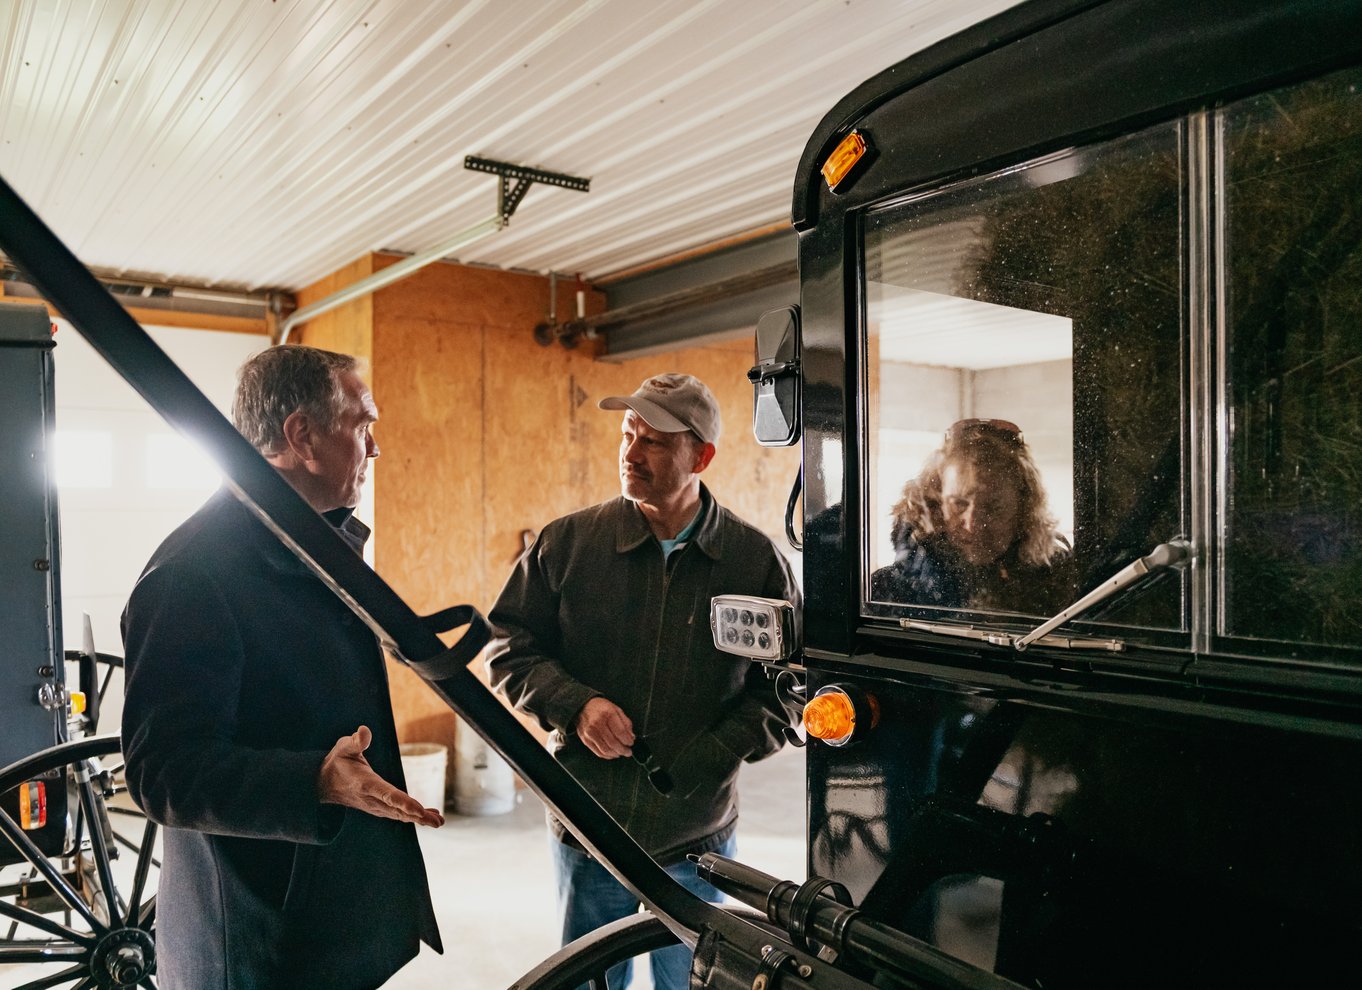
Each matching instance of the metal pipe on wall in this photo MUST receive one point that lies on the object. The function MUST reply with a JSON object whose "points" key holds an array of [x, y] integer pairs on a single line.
{"points": [[387, 276]]}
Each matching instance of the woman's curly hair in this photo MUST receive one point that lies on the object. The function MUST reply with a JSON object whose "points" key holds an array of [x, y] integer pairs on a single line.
{"points": [[1002, 451]]}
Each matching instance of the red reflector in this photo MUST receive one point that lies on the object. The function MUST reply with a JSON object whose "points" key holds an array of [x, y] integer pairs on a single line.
{"points": [[32, 805]]}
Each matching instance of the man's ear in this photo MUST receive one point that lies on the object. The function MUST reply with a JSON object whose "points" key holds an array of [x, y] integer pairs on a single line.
{"points": [[702, 457], [299, 435]]}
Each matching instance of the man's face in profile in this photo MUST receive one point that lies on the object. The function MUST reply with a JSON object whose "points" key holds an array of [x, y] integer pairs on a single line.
{"points": [[341, 455]]}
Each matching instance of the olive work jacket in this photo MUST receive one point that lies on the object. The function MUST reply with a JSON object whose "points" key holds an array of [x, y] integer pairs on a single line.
{"points": [[243, 670], [593, 609]]}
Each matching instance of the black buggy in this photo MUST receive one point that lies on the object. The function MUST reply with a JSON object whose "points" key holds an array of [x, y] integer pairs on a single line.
{"points": [[1127, 235], [78, 866]]}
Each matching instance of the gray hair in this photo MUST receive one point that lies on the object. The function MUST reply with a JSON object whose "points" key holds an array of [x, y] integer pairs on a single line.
{"points": [[280, 381]]}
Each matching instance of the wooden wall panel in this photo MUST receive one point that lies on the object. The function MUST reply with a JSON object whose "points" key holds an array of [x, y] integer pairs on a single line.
{"points": [[347, 329], [485, 434]]}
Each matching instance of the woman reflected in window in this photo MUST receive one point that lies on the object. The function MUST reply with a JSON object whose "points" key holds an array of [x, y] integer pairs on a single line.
{"points": [[974, 529]]}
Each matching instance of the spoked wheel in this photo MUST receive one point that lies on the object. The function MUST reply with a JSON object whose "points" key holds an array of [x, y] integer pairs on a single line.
{"points": [[587, 960], [65, 921]]}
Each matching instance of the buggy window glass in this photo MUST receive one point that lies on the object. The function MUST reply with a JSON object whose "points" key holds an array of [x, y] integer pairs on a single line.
{"points": [[1293, 230], [1023, 384]]}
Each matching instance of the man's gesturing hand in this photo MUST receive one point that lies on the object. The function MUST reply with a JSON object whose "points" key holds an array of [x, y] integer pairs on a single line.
{"points": [[346, 778], [605, 729]]}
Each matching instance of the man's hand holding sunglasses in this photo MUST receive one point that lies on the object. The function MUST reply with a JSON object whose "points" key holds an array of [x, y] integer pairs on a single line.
{"points": [[605, 730]]}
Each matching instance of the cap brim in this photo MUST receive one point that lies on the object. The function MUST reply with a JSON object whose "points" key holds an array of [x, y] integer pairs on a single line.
{"points": [[652, 414]]}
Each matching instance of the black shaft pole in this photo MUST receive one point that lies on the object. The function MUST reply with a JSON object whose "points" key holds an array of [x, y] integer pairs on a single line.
{"points": [[845, 929]]}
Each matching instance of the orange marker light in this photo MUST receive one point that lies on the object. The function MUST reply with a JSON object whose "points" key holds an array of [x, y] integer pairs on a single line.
{"points": [[830, 717], [843, 159], [32, 805], [77, 702]]}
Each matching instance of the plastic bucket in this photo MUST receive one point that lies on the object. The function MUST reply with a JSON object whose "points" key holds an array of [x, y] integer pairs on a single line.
{"points": [[423, 764], [483, 782]]}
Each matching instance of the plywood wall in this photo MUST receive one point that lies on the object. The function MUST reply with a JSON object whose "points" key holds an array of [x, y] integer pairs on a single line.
{"points": [[485, 435], [347, 329]]}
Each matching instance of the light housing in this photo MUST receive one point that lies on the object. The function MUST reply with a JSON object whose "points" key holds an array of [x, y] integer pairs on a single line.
{"points": [[758, 628]]}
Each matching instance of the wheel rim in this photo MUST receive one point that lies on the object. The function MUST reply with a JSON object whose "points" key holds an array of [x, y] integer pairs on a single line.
{"points": [[73, 920]]}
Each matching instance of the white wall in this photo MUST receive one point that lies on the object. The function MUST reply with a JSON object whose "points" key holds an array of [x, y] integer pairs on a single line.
{"points": [[918, 403], [116, 457]]}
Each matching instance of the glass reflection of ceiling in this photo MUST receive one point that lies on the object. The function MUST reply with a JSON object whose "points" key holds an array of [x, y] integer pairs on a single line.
{"points": [[917, 327]]}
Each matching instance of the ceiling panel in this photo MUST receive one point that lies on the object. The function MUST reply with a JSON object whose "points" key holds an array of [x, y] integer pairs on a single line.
{"points": [[245, 144]]}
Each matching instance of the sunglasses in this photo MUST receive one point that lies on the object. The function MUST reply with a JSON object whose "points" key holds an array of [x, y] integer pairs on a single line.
{"points": [[657, 776], [1001, 427]]}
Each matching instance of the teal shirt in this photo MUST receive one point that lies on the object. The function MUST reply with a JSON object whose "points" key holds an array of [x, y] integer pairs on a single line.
{"points": [[669, 545]]}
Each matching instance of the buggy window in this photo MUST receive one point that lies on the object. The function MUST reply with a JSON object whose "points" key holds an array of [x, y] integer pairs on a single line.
{"points": [[1023, 387], [1293, 233]]}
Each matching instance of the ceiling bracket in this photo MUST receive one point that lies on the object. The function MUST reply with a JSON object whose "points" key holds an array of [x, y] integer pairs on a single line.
{"points": [[508, 198], [516, 181]]}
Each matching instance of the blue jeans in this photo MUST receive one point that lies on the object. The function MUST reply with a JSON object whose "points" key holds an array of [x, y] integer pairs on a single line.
{"points": [[589, 897]]}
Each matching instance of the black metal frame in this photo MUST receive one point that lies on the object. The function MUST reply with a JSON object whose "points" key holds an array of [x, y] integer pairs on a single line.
{"points": [[508, 195]]}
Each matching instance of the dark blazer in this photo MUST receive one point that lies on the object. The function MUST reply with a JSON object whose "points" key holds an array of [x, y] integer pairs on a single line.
{"points": [[243, 669]]}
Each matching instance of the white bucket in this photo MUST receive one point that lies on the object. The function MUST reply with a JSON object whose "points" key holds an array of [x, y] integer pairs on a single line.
{"points": [[483, 781], [423, 764]]}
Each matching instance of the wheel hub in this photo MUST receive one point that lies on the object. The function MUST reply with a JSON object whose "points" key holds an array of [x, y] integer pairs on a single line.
{"points": [[122, 958]]}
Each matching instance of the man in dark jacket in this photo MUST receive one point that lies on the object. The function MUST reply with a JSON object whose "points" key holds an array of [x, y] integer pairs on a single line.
{"points": [[605, 639], [257, 725]]}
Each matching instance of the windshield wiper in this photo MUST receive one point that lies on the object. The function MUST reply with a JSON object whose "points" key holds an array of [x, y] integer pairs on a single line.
{"points": [[1000, 637], [1175, 553]]}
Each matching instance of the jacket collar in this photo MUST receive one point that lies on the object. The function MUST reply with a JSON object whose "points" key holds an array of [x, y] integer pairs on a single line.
{"points": [[351, 530], [632, 528], [343, 521]]}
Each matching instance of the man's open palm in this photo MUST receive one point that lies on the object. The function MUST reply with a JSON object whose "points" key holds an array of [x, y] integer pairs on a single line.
{"points": [[347, 779]]}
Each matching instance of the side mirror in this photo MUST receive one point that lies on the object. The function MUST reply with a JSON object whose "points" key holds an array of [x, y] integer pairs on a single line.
{"points": [[775, 379]]}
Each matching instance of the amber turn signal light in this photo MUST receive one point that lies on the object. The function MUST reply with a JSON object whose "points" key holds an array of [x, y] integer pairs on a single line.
{"points": [[32, 805], [837, 714], [849, 151]]}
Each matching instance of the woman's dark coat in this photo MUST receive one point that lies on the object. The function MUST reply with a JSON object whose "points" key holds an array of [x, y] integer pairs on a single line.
{"points": [[931, 572]]}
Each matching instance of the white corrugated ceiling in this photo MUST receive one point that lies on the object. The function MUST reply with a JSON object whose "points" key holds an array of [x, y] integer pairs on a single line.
{"points": [[252, 144]]}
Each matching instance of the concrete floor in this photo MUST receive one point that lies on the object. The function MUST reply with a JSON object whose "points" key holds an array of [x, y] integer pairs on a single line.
{"points": [[493, 888]]}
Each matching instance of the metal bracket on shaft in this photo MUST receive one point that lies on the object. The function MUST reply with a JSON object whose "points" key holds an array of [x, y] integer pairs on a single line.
{"points": [[516, 180]]}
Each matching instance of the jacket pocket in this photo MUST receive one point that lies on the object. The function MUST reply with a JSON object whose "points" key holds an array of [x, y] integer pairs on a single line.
{"points": [[703, 767], [300, 876]]}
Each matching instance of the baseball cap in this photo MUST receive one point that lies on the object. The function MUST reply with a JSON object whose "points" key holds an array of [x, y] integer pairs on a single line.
{"points": [[672, 403]]}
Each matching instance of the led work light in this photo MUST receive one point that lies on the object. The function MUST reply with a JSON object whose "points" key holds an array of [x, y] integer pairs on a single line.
{"points": [[759, 628]]}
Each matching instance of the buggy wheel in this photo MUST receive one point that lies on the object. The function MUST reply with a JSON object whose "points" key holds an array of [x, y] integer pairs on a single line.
{"points": [[586, 961], [81, 917]]}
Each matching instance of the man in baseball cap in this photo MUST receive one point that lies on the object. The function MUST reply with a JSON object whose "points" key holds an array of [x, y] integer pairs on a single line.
{"points": [[604, 638], [673, 403]]}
